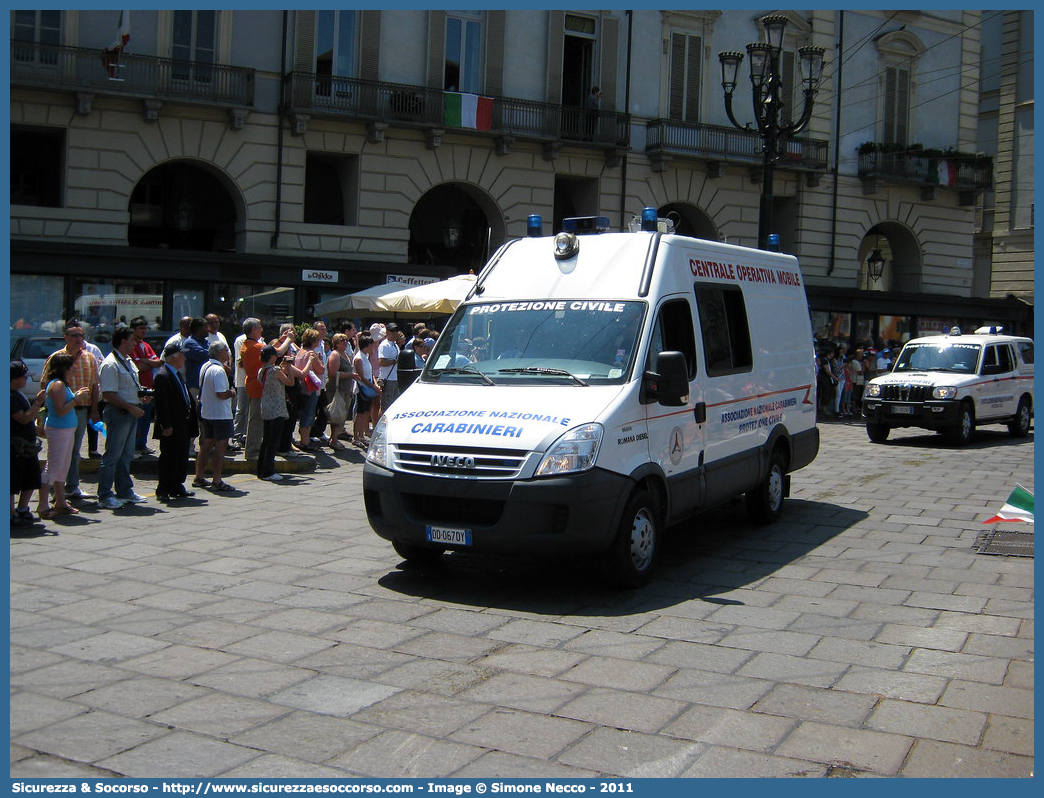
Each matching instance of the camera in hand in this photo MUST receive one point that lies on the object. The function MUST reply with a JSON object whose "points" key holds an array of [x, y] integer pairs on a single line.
{"points": [[144, 392]]}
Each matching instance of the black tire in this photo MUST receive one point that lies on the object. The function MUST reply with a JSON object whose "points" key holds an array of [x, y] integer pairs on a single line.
{"points": [[961, 432], [1019, 427], [418, 555], [633, 551], [877, 433], [765, 502]]}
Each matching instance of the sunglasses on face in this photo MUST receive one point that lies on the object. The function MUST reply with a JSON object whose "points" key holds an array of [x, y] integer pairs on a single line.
{"points": [[74, 335]]}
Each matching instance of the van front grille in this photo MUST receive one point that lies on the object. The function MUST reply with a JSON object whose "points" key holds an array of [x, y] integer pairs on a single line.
{"points": [[460, 462]]}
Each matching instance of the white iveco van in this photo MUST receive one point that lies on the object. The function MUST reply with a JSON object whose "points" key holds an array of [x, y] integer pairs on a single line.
{"points": [[594, 388]]}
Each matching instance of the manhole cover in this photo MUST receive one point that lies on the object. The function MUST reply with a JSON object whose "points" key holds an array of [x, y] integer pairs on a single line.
{"points": [[1007, 544]]}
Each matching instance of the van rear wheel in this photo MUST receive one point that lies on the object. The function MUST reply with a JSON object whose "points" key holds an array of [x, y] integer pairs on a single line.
{"points": [[765, 502], [633, 550], [419, 555]]}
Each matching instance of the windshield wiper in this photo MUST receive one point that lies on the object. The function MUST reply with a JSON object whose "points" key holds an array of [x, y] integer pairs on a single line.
{"points": [[547, 371], [467, 370]]}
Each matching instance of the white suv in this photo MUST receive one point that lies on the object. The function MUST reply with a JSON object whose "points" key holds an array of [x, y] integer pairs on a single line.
{"points": [[953, 383]]}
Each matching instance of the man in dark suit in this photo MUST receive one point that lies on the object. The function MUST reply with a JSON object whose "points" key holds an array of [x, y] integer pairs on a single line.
{"points": [[176, 424]]}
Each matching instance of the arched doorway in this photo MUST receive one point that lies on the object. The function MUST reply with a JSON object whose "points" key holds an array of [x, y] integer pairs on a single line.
{"points": [[455, 225], [181, 205], [689, 220], [901, 254]]}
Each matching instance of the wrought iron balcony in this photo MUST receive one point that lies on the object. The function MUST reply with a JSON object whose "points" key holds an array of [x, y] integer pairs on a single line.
{"points": [[928, 168], [666, 137], [83, 69], [405, 105]]}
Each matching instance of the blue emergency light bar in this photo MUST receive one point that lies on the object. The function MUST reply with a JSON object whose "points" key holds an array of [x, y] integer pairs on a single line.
{"points": [[581, 225], [534, 225]]}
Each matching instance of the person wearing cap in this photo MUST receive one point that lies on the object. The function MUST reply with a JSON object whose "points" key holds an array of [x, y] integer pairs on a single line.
{"points": [[176, 424], [25, 464], [883, 363]]}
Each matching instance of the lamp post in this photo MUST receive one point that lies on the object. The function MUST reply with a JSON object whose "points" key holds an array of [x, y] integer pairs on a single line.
{"points": [[875, 265], [767, 89]]}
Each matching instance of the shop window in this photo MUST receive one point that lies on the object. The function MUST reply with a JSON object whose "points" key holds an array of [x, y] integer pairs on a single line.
{"points": [[235, 303], [36, 166], [103, 304], [36, 302], [331, 189]]}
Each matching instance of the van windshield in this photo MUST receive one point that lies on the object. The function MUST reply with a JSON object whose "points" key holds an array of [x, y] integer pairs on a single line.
{"points": [[545, 342], [957, 357]]}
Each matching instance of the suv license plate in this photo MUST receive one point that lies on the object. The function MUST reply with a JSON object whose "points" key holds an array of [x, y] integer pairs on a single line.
{"points": [[440, 534], [903, 409]]}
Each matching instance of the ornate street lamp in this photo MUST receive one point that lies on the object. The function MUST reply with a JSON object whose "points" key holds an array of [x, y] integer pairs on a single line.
{"points": [[875, 265], [767, 89]]}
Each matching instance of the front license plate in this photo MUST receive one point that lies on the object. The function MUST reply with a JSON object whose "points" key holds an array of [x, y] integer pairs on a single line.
{"points": [[441, 534], [902, 410]]}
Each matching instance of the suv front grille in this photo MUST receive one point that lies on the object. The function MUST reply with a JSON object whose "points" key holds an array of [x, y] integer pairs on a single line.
{"points": [[457, 461], [906, 393]]}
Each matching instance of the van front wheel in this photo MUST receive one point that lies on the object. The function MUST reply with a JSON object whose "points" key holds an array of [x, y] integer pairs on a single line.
{"points": [[418, 555], [765, 502], [630, 557]]}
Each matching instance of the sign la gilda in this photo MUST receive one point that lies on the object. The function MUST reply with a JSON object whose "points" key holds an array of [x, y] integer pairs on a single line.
{"points": [[318, 276]]}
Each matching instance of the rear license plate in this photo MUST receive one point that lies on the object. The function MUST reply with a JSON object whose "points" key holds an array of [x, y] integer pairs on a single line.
{"points": [[456, 537], [902, 409]]}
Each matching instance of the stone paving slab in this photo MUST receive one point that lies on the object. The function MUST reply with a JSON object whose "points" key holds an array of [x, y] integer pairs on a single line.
{"points": [[859, 636]]}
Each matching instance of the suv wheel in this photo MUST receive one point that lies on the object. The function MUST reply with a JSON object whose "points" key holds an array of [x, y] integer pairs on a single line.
{"points": [[961, 432], [878, 433], [1019, 427]]}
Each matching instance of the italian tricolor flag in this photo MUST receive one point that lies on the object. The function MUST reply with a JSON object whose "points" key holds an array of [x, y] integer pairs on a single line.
{"points": [[468, 110], [122, 31], [1018, 507]]}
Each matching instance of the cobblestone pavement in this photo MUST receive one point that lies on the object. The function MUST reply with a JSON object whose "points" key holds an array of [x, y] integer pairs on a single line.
{"points": [[269, 633]]}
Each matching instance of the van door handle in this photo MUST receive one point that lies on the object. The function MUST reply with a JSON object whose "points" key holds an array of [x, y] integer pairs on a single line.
{"points": [[700, 412]]}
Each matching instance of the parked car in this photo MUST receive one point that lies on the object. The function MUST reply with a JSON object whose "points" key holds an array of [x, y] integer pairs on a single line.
{"points": [[34, 349]]}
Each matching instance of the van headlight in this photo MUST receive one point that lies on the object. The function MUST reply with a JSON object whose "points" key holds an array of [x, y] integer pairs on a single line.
{"points": [[574, 452], [377, 452], [873, 390], [944, 392]]}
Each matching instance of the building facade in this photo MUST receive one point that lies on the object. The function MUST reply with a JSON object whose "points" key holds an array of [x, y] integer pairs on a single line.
{"points": [[257, 162]]}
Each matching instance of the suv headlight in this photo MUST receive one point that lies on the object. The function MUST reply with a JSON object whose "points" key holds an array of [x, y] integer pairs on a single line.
{"points": [[944, 392], [873, 390], [377, 452], [573, 452]]}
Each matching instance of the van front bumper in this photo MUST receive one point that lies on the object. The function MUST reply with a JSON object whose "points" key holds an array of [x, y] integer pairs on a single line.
{"points": [[930, 415], [572, 514]]}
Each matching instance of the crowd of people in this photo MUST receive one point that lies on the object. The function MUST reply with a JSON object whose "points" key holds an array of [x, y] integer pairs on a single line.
{"points": [[841, 376], [199, 395]]}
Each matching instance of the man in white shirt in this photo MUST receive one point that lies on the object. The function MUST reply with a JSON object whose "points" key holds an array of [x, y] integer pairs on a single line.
{"points": [[239, 380], [215, 422], [214, 334], [388, 354], [118, 380]]}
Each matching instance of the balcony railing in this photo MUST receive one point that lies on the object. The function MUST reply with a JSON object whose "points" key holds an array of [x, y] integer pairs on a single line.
{"points": [[418, 106], [718, 143], [973, 173], [142, 76]]}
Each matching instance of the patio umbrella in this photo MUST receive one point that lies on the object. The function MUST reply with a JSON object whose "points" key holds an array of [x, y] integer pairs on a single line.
{"points": [[440, 297], [360, 300]]}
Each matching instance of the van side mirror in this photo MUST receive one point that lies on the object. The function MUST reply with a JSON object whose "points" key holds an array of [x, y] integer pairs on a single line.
{"points": [[669, 384]]}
